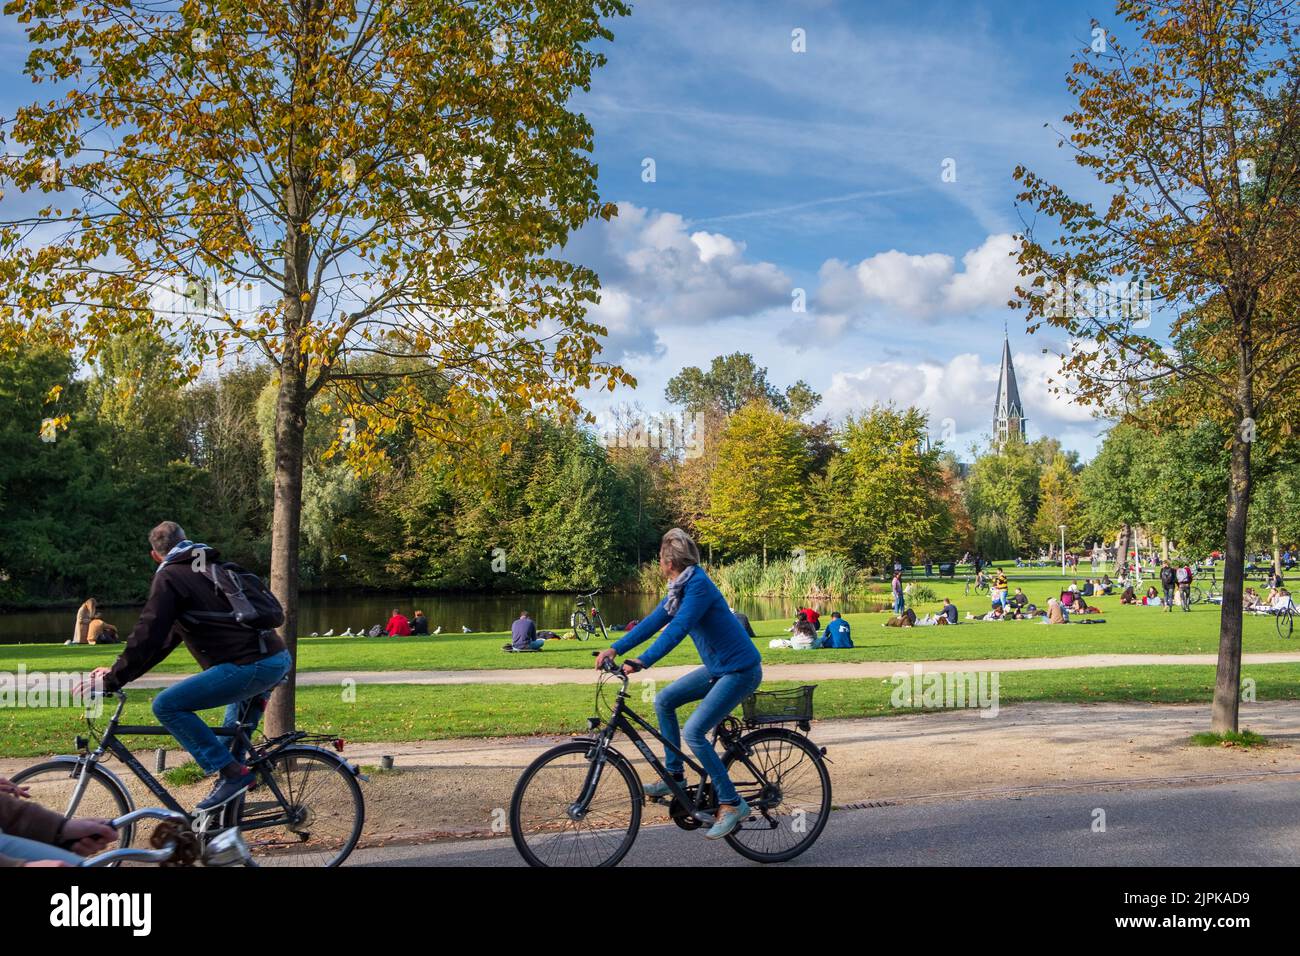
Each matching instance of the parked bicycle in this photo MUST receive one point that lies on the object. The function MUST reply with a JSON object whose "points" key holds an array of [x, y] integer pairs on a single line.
{"points": [[305, 808], [980, 584], [586, 618], [580, 803]]}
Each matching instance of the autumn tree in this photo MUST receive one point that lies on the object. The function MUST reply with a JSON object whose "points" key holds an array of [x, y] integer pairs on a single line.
{"points": [[758, 497], [1192, 133], [884, 496], [319, 180]]}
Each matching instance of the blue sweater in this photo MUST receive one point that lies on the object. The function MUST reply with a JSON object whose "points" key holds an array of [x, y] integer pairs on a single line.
{"points": [[703, 613], [837, 634]]}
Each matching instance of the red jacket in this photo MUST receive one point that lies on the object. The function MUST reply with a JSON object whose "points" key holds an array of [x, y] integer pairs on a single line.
{"points": [[399, 626]]}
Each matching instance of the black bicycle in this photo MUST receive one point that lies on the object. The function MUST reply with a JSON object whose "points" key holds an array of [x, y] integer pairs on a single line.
{"points": [[305, 808], [586, 618], [579, 804]]}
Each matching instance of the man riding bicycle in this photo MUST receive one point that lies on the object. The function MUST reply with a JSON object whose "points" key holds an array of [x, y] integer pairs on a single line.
{"points": [[238, 662], [732, 670]]}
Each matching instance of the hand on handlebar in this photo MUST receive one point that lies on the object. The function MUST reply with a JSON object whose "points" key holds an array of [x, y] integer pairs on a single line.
{"points": [[605, 662], [94, 682], [88, 836]]}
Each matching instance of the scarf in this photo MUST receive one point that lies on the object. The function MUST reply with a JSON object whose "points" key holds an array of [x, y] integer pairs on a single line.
{"points": [[675, 589], [185, 546]]}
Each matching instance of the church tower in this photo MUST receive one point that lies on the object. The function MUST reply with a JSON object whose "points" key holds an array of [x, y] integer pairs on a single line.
{"points": [[1008, 414]]}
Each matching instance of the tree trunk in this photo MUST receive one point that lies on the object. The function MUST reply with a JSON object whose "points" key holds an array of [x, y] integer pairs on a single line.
{"points": [[1277, 552], [1121, 548], [290, 426], [1227, 685]]}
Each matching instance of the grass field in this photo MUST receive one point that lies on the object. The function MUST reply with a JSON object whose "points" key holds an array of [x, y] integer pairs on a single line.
{"points": [[1128, 630], [399, 712]]}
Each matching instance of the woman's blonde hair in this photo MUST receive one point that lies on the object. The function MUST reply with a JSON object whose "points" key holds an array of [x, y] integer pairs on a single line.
{"points": [[678, 549]]}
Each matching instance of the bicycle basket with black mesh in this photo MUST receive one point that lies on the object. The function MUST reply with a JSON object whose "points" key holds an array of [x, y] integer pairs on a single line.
{"points": [[779, 706]]}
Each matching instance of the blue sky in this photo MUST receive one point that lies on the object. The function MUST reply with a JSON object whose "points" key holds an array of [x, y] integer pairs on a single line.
{"points": [[821, 171], [777, 170]]}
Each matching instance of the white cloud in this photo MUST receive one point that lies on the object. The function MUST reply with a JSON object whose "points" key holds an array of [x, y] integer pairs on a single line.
{"points": [[923, 287], [962, 389], [656, 273]]}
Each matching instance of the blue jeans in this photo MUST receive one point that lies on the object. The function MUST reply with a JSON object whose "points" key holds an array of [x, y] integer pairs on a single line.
{"points": [[225, 684], [718, 699], [21, 848], [899, 603]]}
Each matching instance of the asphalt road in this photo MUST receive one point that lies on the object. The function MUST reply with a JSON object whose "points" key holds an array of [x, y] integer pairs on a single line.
{"points": [[1255, 823]]}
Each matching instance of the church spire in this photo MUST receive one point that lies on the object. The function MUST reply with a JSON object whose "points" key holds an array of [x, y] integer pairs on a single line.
{"points": [[1008, 414]]}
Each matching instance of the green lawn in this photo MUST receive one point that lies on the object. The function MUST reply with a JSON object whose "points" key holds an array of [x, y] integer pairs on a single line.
{"points": [[396, 712], [1136, 630]]}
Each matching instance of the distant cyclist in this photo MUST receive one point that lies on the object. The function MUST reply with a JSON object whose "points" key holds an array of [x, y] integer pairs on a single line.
{"points": [[237, 662], [732, 670]]}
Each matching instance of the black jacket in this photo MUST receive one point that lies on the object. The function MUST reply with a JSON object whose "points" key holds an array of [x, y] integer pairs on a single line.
{"points": [[1167, 577], [178, 588]]}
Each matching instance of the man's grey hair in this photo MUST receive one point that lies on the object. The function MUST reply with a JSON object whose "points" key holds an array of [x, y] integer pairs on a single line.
{"points": [[678, 549], [166, 536]]}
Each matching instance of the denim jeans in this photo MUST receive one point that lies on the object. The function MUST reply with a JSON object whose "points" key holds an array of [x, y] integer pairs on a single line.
{"points": [[225, 684], [21, 848], [899, 603], [718, 699]]}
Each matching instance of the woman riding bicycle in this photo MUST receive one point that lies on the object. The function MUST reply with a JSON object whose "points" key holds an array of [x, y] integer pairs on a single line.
{"points": [[732, 670]]}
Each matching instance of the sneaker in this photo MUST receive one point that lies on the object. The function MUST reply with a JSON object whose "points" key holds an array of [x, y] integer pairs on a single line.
{"points": [[659, 790], [226, 789], [728, 819]]}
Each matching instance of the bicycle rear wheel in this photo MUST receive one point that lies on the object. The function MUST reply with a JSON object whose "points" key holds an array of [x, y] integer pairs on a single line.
{"points": [[541, 825], [309, 813], [582, 628], [1195, 595], [789, 798]]}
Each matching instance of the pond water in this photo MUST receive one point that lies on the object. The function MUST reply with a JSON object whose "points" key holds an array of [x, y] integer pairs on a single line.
{"points": [[322, 612]]}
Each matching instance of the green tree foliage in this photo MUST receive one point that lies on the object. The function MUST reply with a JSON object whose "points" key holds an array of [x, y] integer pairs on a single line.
{"points": [[758, 494], [883, 496], [1002, 498], [734, 381]]}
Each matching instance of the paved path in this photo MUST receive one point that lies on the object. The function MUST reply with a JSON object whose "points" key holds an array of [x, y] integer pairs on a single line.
{"points": [[825, 670], [1248, 823]]}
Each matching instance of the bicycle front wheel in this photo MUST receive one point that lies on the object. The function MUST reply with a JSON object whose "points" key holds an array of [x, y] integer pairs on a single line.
{"points": [[547, 828], [785, 782], [1285, 624], [307, 810], [57, 785], [1195, 595]]}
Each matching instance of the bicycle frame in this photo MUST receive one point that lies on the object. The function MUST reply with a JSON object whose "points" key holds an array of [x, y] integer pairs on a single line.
{"points": [[110, 744], [621, 719]]}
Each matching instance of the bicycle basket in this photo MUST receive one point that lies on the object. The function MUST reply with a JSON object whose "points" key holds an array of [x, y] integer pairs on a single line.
{"points": [[779, 706]]}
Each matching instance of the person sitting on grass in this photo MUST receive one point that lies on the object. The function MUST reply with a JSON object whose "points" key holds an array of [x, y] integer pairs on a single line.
{"points": [[419, 624], [523, 634], [1128, 597], [1107, 585], [949, 611], [1056, 612], [1019, 599], [804, 637], [837, 634], [906, 619], [398, 625]]}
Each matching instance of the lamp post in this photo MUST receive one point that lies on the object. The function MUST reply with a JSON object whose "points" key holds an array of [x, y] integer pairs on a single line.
{"points": [[1062, 527]]}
